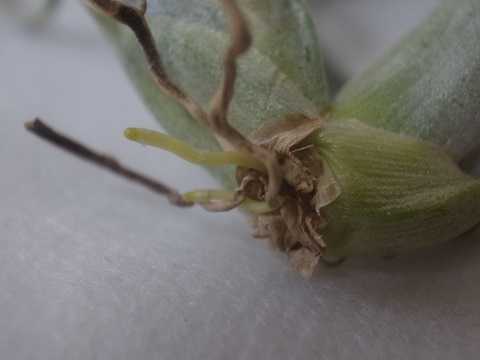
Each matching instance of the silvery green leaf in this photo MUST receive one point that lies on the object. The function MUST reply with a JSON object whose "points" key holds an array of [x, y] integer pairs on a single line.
{"points": [[428, 85], [398, 193]]}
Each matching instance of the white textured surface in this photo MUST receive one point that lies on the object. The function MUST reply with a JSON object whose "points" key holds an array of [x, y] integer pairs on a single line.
{"points": [[92, 267]]}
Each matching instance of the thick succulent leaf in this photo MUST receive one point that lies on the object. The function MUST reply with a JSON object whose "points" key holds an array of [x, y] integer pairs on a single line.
{"points": [[281, 74], [398, 193], [285, 33], [428, 85]]}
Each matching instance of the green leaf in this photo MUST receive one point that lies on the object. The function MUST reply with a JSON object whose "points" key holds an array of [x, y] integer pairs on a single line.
{"points": [[281, 74], [428, 85], [398, 193]]}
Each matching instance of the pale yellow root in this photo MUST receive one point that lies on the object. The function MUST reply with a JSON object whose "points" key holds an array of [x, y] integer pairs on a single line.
{"points": [[209, 196], [206, 196], [188, 153], [205, 158]]}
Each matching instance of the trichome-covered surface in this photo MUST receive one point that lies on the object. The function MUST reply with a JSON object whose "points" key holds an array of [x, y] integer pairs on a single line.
{"points": [[427, 85]]}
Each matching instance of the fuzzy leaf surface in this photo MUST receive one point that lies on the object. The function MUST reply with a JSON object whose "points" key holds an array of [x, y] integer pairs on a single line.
{"points": [[428, 85]]}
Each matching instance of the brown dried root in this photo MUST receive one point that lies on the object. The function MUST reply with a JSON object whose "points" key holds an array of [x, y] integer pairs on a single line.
{"points": [[134, 18], [241, 42], [216, 119], [297, 184], [45, 132]]}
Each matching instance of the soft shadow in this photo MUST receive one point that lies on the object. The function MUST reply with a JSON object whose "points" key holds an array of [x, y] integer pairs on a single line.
{"points": [[435, 279]]}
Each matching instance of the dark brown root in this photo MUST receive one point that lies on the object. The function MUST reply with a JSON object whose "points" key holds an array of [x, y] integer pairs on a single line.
{"points": [[45, 132], [304, 261], [297, 226]]}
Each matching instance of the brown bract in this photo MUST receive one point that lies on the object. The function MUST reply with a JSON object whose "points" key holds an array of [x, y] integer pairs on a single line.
{"points": [[296, 225]]}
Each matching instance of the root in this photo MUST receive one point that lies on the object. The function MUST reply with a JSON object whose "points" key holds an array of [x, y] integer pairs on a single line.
{"points": [[211, 200], [134, 18], [186, 152], [45, 132]]}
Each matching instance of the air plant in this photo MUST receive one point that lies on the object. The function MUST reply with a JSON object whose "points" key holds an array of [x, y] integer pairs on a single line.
{"points": [[374, 170]]}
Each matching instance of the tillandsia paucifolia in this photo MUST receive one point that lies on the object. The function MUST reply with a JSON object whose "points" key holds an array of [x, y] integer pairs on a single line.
{"points": [[374, 170]]}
